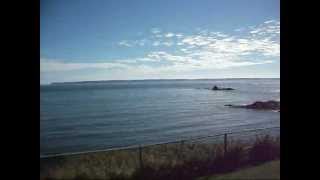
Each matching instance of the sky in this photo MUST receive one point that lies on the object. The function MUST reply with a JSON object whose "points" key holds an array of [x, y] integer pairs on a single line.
{"points": [[82, 40]]}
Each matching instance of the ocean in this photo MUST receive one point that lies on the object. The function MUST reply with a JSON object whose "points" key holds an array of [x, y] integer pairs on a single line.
{"points": [[89, 116]]}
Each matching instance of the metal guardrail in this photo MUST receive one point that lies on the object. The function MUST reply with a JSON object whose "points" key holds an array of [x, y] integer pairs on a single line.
{"points": [[140, 147]]}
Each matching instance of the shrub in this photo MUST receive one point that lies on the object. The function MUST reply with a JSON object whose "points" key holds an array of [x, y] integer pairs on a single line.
{"points": [[229, 161], [264, 149]]}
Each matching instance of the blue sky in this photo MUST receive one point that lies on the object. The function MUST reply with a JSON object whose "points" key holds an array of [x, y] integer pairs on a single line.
{"points": [[85, 40]]}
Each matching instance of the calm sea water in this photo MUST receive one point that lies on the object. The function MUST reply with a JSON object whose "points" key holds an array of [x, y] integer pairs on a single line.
{"points": [[90, 116]]}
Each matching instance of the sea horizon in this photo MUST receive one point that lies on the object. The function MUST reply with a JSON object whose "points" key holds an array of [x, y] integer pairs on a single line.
{"points": [[156, 79]]}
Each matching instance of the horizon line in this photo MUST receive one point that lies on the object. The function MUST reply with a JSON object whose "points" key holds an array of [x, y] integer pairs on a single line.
{"points": [[90, 81]]}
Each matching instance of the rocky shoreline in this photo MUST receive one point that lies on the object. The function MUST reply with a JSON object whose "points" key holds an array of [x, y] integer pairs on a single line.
{"points": [[260, 105]]}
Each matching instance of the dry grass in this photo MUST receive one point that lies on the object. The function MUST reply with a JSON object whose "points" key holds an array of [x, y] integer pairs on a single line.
{"points": [[171, 161], [269, 170]]}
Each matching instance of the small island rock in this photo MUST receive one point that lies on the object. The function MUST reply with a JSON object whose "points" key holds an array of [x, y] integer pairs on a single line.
{"points": [[215, 88]]}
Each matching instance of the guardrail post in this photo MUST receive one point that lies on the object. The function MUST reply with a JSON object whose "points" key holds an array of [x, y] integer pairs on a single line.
{"points": [[140, 157], [225, 143]]}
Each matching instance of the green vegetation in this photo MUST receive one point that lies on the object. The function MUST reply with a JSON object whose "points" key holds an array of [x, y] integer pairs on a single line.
{"points": [[269, 170], [171, 161]]}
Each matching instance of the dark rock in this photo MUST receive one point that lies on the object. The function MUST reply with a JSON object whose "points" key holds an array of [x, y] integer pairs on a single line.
{"points": [[234, 106], [272, 105], [227, 89], [263, 105], [216, 88]]}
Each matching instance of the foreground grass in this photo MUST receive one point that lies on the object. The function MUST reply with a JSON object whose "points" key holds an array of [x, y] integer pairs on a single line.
{"points": [[172, 161], [270, 171]]}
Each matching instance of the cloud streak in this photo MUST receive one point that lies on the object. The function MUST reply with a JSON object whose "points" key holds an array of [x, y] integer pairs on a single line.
{"points": [[47, 65]]}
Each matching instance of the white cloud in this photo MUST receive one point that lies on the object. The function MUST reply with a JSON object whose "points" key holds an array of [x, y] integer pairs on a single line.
{"points": [[155, 30], [179, 35], [165, 56], [204, 50], [141, 42], [216, 50], [270, 21], [124, 43], [167, 43], [268, 28], [156, 43], [197, 40], [128, 43], [239, 29], [184, 50], [158, 36], [168, 35], [55, 65], [218, 34]]}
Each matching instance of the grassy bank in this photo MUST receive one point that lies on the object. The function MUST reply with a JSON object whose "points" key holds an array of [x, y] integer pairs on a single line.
{"points": [[171, 161]]}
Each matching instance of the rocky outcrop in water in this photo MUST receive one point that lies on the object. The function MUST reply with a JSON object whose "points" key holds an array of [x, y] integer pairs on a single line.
{"points": [[261, 105], [216, 88]]}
